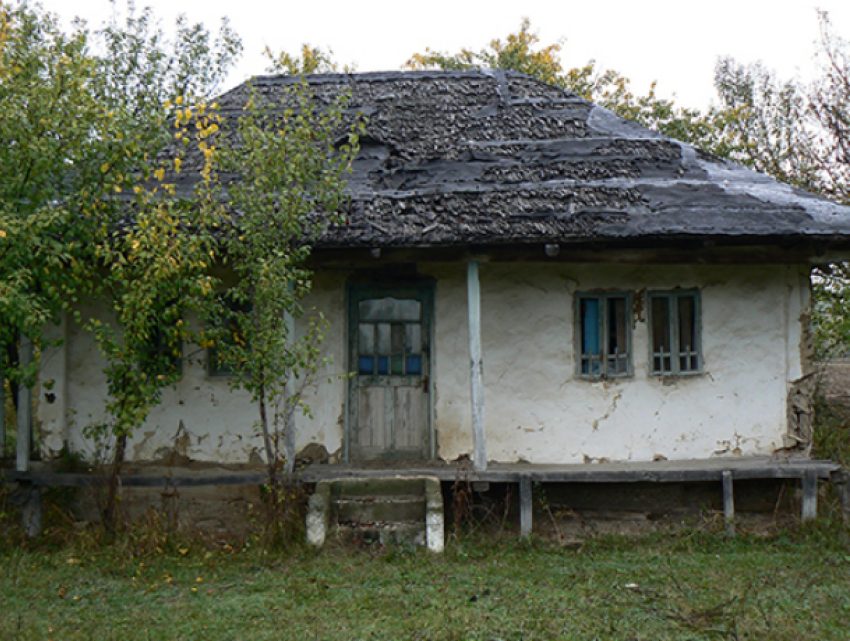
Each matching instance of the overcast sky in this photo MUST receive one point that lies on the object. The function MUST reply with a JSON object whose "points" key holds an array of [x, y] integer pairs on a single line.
{"points": [[675, 42]]}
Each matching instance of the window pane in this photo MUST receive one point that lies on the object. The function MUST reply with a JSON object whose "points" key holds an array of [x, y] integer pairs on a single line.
{"points": [[366, 344], [414, 365], [589, 310], [383, 365], [390, 309], [397, 342], [687, 324], [384, 341], [413, 338], [397, 361], [616, 326], [661, 325], [366, 365]]}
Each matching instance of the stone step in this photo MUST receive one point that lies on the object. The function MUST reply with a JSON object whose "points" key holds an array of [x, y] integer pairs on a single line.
{"points": [[352, 488], [381, 533], [386, 510], [379, 508]]}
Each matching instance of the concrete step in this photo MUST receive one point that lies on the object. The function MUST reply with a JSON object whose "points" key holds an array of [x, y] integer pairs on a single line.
{"points": [[402, 508], [381, 533], [380, 510]]}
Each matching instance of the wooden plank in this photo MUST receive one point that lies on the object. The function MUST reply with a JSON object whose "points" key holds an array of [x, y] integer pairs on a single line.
{"points": [[525, 507], [810, 496], [24, 436], [476, 367], [728, 503]]}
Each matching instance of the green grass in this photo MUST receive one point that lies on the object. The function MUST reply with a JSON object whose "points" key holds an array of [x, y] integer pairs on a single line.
{"points": [[696, 586]]}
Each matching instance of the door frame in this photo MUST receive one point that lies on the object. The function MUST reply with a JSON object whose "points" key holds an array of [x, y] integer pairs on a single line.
{"points": [[422, 290]]}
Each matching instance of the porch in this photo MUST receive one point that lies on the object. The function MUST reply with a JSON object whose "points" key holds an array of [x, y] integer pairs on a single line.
{"points": [[724, 471]]}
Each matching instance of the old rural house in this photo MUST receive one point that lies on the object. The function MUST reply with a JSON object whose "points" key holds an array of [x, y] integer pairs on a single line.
{"points": [[526, 279]]}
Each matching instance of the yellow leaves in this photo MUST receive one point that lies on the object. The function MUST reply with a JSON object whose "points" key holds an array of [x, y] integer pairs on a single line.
{"points": [[159, 174], [177, 164], [178, 100], [104, 167], [3, 234]]}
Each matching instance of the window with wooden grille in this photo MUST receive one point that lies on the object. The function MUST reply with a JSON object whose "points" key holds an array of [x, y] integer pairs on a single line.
{"points": [[675, 341], [604, 335]]}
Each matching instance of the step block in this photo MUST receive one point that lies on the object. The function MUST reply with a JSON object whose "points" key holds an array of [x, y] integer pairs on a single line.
{"points": [[386, 510], [379, 508]]}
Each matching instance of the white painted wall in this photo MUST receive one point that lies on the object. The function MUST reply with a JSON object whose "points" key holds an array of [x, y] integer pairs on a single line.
{"points": [[536, 408], [201, 416]]}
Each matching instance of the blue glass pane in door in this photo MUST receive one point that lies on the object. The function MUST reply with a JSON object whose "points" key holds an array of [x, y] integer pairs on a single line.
{"points": [[414, 364], [366, 365], [383, 365]]}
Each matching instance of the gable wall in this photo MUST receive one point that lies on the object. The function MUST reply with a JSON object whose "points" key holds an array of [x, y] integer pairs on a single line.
{"points": [[536, 408]]}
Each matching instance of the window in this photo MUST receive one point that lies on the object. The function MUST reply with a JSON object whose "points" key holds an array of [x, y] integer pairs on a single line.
{"points": [[674, 320], [228, 334], [389, 337], [604, 335], [164, 352]]}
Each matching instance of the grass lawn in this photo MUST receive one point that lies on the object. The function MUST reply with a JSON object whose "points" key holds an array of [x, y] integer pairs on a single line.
{"points": [[684, 586]]}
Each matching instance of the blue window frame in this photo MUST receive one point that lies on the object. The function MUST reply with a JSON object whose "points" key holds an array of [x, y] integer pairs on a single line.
{"points": [[603, 322]]}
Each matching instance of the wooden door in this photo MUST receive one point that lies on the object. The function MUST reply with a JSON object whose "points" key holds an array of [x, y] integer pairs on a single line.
{"points": [[389, 395]]}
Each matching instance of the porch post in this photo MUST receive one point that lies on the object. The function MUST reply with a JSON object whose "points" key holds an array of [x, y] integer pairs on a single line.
{"points": [[289, 425], [24, 411], [476, 367]]}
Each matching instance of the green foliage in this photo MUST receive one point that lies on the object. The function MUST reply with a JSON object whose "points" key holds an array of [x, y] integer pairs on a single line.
{"points": [[291, 168], [311, 60], [607, 88], [800, 135]]}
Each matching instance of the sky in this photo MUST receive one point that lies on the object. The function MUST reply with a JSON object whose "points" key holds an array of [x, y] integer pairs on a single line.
{"points": [[673, 42]]}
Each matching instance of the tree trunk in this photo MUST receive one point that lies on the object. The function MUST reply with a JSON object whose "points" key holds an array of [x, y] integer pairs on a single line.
{"points": [[112, 483]]}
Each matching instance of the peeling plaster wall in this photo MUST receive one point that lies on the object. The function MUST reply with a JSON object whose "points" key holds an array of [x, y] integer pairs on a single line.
{"points": [[536, 408], [200, 417]]}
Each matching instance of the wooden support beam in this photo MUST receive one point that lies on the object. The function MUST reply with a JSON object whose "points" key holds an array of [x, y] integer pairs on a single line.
{"points": [[476, 367], [24, 435], [842, 486], [810, 495], [728, 503], [525, 507]]}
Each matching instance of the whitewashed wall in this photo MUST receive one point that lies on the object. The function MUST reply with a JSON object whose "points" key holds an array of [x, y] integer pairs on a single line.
{"points": [[536, 408]]}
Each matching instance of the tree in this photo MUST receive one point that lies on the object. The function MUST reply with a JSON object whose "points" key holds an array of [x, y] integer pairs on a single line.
{"points": [[311, 60], [152, 251], [608, 89], [85, 210], [799, 134], [53, 130], [291, 159]]}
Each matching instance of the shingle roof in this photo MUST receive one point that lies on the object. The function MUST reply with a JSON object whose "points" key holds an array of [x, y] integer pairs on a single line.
{"points": [[496, 157]]}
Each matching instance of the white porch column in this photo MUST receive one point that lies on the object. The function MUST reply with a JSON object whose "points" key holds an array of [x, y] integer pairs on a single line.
{"points": [[53, 376], [476, 367], [24, 411], [289, 425]]}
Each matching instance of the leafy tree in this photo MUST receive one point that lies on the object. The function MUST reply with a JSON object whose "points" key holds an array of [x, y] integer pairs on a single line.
{"points": [[607, 88], [53, 130], [291, 169], [85, 211], [311, 60], [799, 134], [152, 251]]}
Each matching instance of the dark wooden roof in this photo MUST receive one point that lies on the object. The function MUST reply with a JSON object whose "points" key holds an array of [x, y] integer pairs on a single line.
{"points": [[495, 157]]}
